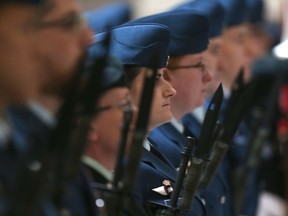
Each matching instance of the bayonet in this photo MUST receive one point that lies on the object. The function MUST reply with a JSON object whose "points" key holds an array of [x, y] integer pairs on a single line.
{"points": [[202, 150], [231, 122]]}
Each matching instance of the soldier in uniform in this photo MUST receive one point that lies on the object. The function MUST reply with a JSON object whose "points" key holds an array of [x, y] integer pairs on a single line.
{"points": [[46, 39], [134, 45], [189, 38], [232, 57], [180, 71], [103, 138], [217, 200]]}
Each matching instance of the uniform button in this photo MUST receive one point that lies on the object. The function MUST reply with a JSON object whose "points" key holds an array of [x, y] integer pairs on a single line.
{"points": [[223, 200]]}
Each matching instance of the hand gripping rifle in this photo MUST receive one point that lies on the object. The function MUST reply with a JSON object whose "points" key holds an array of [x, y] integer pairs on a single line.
{"points": [[203, 148]]}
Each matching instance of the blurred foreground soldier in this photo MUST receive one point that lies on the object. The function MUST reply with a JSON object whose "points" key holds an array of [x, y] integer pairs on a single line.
{"points": [[186, 73], [21, 81], [46, 39], [107, 17], [56, 59]]}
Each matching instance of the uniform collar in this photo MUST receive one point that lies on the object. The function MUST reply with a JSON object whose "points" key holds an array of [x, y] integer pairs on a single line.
{"points": [[42, 113], [199, 114], [95, 165], [5, 131], [146, 145], [178, 125], [226, 92]]}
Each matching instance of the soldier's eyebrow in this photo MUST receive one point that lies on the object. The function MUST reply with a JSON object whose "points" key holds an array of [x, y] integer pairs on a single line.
{"points": [[45, 9]]}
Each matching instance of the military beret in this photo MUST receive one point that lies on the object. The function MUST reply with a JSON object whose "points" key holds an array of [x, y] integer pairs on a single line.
{"points": [[143, 45], [235, 12], [113, 75], [214, 11], [255, 11], [105, 18], [189, 30]]}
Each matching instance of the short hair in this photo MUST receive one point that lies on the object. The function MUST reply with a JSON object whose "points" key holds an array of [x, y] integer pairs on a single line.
{"points": [[131, 73]]}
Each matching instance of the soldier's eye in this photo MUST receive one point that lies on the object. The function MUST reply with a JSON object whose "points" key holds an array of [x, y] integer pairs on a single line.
{"points": [[158, 77], [71, 22]]}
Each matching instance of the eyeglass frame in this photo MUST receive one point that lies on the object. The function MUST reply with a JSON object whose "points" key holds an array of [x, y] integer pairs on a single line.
{"points": [[75, 21], [202, 66], [125, 103]]}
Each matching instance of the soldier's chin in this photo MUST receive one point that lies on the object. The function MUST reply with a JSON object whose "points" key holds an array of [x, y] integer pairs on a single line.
{"points": [[55, 89], [60, 85]]}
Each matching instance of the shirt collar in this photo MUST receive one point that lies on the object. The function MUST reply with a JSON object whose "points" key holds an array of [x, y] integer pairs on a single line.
{"points": [[178, 125], [226, 92], [199, 114], [5, 131], [42, 113], [146, 145], [95, 165]]}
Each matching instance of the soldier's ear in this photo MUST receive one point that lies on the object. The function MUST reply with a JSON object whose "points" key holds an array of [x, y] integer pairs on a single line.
{"points": [[166, 74], [92, 135]]}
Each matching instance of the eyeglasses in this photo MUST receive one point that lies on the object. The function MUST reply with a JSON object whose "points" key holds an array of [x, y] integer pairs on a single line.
{"points": [[200, 66], [125, 104], [73, 22]]}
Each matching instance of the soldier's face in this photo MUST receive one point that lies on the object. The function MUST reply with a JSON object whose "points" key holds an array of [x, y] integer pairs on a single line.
{"points": [[256, 42], [35, 54], [211, 56], [232, 56], [104, 134], [20, 77], [163, 92], [188, 75], [63, 39]]}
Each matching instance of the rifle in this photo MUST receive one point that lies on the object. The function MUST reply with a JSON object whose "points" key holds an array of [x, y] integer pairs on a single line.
{"points": [[134, 156], [122, 146], [238, 103], [123, 201], [202, 150], [113, 195]]}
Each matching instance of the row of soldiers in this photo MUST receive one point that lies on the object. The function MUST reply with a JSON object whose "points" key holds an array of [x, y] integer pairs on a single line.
{"points": [[159, 115]]}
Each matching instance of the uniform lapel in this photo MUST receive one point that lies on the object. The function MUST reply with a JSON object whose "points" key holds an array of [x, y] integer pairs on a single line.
{"points": [[172, 134], [163, 167]]}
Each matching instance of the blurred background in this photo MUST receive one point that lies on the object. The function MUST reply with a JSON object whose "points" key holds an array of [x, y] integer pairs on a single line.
{"points": [[274, 9], [146, 7]]}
